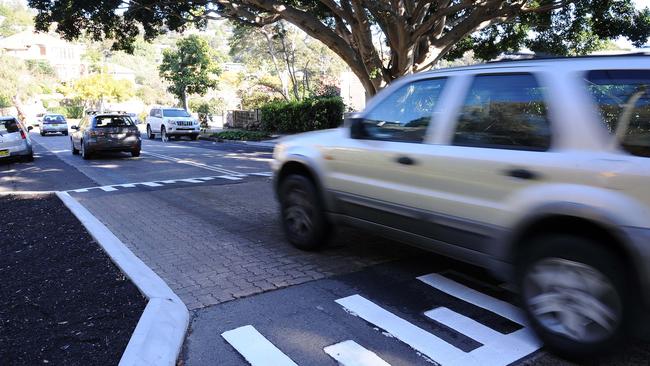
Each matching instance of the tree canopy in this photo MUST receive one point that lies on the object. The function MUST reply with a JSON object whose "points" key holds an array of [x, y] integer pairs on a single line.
{"points": [[380, 40], [190, 68]]}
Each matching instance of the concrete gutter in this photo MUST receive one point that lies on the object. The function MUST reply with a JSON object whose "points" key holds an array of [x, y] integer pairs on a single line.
{"points": [[159, 335]]}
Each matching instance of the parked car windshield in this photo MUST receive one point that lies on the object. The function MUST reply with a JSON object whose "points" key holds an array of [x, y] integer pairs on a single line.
{"points": [[54, 119], [113, 121], [623, 97], [175, 113], [9, 126]]}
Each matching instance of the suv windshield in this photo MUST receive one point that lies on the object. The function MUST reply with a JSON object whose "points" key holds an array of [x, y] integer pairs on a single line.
{"points": [[113, 121], [54, 119], [9, 126], [623, 97], [175, 113]]}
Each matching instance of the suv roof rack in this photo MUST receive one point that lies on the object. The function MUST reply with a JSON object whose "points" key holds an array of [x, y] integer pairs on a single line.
{"points": [[542, 56]]}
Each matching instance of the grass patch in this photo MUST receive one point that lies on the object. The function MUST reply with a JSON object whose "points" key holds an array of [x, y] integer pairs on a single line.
{"points": [[241, 135]]}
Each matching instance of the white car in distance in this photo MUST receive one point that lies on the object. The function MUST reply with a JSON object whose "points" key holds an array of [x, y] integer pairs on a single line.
{"points": [[171, 122]]}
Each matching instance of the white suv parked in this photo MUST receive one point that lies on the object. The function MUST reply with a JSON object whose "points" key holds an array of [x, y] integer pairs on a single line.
{"points": [[171, 122], [537, 169]]}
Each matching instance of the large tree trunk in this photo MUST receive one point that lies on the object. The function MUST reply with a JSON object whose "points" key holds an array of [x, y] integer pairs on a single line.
{"points": [[22, 117], [185, 100]]}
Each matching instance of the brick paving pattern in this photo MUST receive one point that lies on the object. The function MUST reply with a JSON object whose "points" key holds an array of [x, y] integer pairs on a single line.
{"points": [[217, 243]]}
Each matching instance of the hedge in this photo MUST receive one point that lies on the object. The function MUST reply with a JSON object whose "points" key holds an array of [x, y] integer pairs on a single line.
{"points": [[300, 116]]}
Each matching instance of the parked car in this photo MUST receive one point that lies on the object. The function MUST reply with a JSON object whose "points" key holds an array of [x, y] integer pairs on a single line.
{"points": [[105, 132], [536, 169], [54, 123], [14, 140], [171, 122]]}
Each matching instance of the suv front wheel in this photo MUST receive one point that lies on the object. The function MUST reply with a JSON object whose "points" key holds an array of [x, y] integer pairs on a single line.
{"points": [[575, 294], [303, 218]]}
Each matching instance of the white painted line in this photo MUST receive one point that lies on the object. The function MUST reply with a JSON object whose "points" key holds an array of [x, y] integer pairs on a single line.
{"points": [[193, 163], [349, 353], [168, 181], [108, 189], [462, 324], [83, 190], [206, 178], [159, 335], [128, 185], [189, 180], [414, 336], [151, 184], [229, 177], [263, 174], [255, 348], [472, 296]]}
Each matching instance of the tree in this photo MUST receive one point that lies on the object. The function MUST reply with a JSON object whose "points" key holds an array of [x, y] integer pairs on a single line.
{"points": [[16, 17], [94, 89], [190, 69], [380, 40]]}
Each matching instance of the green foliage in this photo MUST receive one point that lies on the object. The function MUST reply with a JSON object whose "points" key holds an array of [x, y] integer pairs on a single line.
{"points": [[17, 17], [300, 116], [207, 108], [94, 88], [191, 68], [241, 135]]}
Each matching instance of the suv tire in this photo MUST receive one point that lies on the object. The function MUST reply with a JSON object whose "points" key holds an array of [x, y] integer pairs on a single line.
{"points": [[163, 134], [84, 154], [576, 295], [150, 134], [302, 215], [135, 153]]}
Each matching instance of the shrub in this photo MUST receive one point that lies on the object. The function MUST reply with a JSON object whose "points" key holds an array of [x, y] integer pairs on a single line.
{"points": [[241, 135], [307, 115]]}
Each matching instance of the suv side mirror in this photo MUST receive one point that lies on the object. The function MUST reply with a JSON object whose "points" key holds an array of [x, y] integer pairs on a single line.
{"points": [[29, 128], [357, 127], [74, 127]]}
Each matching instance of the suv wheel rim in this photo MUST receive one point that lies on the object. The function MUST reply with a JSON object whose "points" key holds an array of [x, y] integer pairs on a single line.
{"points": [[572, 299], [298, 213], [163, 135], [148, 132]]}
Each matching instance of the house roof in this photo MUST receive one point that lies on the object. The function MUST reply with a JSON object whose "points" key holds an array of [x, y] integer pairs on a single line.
{"points": [[23, 40]]}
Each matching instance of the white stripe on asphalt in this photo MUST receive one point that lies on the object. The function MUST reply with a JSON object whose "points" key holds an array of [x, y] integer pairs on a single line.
{"points": [[189, 180], [263, 174], [255, 348], [83, 190], [350, 353], [229, 177], [462, 324], [472, 296], [168, 181], [151, 184], [414, 336], [107, 189], [193, 163], [205, 178], [128, 185]]}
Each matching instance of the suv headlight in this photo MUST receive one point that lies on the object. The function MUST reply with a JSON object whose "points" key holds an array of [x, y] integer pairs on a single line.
{"points": [[172, 122]]}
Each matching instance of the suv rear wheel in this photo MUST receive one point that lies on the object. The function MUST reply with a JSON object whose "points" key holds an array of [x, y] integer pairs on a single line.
{"points": [[150, 134], [74, 149], [575, 294], [303, 218]]}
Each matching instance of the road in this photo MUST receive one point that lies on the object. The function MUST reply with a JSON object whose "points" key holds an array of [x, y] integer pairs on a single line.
{"points": [[204, 217]]}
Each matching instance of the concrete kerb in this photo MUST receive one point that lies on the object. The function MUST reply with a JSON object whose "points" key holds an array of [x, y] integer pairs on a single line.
{"points": [[160, 333]]}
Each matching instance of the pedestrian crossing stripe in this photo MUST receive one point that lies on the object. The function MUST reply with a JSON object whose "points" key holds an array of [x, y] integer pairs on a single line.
{"points": [[496, 348], [255, 348], [160, 183]]}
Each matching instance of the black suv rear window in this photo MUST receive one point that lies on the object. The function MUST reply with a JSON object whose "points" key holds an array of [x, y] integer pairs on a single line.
{"points": [[113, 121], [9, 126], [623, 98]]}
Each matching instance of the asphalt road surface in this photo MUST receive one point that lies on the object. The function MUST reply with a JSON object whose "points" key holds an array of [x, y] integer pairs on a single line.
{"points": [[204, 217]]}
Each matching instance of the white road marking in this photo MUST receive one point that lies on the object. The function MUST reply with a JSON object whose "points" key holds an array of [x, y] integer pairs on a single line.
{"points": [[255, 348], [127, 185], [108, 189], [189, 180], [82, 190], [472, 296], [205, 178], [151, 184], [229, 177], [168, 181], [414, 336], [350, 353], [193, 163], [263, 174]]}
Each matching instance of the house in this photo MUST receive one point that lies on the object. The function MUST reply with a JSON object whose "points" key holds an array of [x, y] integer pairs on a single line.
{"points": [[64, 57]]}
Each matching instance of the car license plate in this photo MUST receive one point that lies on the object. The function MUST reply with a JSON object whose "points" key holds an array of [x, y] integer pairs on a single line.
{"points": [[55, 125], [4, 153]]}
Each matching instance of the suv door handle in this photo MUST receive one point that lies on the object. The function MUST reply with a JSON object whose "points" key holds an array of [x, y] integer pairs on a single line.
{"points": [[405, 160], [521, 173]]}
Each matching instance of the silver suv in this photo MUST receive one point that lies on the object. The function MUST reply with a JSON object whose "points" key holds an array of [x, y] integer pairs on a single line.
{"points": [[538, 170]]}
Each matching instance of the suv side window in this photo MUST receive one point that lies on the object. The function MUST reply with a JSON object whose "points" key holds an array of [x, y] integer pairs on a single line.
{"points": [[623, 97], [505, 111], [405, 114], [152, 113], [159, 113]]}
